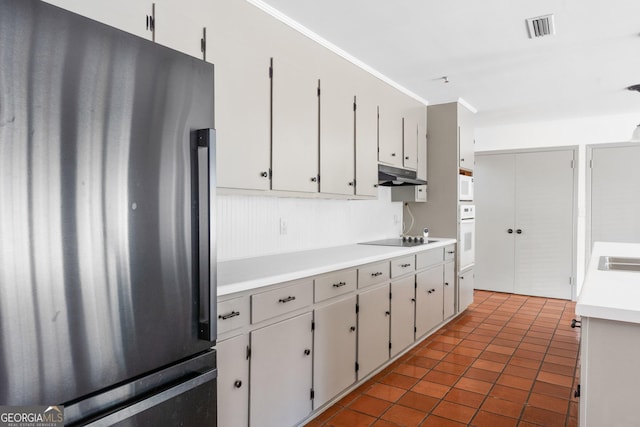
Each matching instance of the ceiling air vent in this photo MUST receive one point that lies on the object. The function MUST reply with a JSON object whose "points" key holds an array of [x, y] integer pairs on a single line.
{"points": [[541, 26]]}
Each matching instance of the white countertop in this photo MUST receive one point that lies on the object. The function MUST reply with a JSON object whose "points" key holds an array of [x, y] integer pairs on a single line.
{"points": [[612, 295], [251, 273]]}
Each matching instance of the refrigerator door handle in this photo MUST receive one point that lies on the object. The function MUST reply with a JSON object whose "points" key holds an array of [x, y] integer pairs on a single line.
{"points": [[205, 235], [155, 400]]}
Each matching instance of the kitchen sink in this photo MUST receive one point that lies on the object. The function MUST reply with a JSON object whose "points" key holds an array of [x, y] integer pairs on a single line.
{"points": [[608, 263]]}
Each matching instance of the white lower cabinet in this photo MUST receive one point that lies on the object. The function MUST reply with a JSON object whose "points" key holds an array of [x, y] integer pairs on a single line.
{"points": [[334, 364], [402, 314], [466, 285], [429, 299], [449, 297], [373, 329], [609, 373], [281, 370], [289, 349], [233, 381]]}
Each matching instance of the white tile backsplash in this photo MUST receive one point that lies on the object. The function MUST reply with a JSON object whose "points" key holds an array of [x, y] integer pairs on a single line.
{"points": [[250, 226]]}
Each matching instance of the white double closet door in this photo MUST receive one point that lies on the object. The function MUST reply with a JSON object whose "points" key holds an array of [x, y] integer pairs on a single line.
{"points": [[525, 222]]}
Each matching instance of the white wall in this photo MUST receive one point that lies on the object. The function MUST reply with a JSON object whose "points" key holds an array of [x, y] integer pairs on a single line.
{"points": [[580, 131], [249, 226]]}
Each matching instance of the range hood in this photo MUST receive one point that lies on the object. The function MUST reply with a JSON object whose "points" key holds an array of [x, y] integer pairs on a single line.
{"points": [[391, 176]]}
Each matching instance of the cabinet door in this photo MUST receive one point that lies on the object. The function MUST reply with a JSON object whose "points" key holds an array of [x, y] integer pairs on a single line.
{"points": [[494, 194], [465, 138], [544, 224], [422, 143], [294, 127], [466, 147], [615, 194], [334, 349], [126, 15], [402, 314], [410, 138], [281, 366], [373, 329], [449, 308], [390, 126], [233, 382], [366, 136], [337, 143], [179, 25], [237, 46], [429, 299], [466, 285]]}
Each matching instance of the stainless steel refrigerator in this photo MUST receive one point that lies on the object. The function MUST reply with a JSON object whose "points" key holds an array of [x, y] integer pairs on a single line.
{"points": [[107, 229]]}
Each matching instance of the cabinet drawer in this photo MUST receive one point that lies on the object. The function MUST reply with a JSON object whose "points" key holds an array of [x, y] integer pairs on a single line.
{"points": [[232, 314], [334, 284], [429, 258], [280, 301], [372, 274], [400, 266], [450, 252]]}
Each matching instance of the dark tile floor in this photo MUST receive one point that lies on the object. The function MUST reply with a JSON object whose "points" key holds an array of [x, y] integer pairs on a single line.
{"points": [[508, 360]]}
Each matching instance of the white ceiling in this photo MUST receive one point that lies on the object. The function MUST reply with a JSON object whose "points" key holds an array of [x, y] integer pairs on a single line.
{"points": [[484, 49]]}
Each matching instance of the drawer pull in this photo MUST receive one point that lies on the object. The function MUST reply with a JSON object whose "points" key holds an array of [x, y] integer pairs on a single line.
{"points": [[237, 384], [287, 299], [339, 284], [576, 323], [229, 316], [405, 265], [451, 252], [376, 274], [307, 352], [352, 329]]}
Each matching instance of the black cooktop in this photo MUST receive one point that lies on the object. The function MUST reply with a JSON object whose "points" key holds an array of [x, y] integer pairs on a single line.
{"points": [[401, 241]]}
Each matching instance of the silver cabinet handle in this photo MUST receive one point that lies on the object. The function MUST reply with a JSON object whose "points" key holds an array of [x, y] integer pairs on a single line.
{"points": [[229, 315], [287, 299]]}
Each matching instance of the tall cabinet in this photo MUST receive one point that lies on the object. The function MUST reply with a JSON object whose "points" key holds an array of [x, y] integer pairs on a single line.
{"points": [[613, 193], [526, 222], [449, 153]]}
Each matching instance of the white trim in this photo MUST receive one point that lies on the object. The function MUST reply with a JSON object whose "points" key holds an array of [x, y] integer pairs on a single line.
{"points": [[322, 41], [468, 106]]}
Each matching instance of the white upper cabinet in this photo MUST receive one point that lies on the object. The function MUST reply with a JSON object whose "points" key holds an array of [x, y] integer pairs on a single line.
{"points": [[337, 122], [242, 90], [126, 15], [179, 25], [294, 126], [422, 143], [390, 127], [466, 138], [366, 135], [410, 119]]}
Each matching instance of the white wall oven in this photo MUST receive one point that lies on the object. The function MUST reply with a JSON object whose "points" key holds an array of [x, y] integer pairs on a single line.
{"points": [[467, 238]]}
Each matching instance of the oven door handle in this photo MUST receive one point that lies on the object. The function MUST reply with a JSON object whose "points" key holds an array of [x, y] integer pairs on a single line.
{"points": [[155, 400]]}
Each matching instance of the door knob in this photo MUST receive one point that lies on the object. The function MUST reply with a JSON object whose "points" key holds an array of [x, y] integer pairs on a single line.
{"points": [[510, 231]]}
